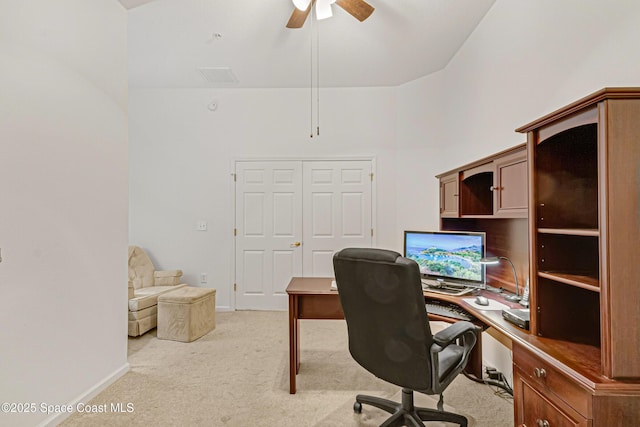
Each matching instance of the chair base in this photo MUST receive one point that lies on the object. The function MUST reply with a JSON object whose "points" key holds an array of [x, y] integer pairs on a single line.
{"points": [[406, 413]]}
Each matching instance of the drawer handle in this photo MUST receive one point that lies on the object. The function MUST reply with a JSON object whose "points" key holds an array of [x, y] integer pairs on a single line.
{"points": [[540, 373], [542, 423]]}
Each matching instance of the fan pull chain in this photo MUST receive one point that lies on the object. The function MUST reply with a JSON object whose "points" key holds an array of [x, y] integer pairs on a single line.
{"points": [[317, 81], [311, 26]]}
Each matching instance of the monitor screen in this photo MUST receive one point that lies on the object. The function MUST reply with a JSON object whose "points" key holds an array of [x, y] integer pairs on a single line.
{"points": [[447, 255]]}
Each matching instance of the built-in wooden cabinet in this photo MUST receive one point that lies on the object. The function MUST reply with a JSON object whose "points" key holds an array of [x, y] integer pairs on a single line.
{"points": [[584, 228], [544, 396], [493, 187], [566, 210]]}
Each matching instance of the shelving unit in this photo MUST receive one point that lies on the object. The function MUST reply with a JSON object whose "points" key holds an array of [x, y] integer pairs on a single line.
{"points": [[575, 156], [584, 227]]}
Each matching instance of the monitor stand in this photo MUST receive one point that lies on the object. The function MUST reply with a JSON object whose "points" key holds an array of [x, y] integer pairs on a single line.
{"points": [[492, 289], [512, 298]]}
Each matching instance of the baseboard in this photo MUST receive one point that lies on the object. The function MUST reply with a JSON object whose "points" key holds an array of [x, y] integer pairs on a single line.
{"points": [[224, 308], [56, 419]]}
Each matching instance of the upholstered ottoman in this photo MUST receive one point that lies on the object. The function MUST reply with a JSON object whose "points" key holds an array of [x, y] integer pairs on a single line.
{"points": [[186, 314]]}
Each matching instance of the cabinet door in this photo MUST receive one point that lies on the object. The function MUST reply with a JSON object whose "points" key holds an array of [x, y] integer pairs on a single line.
{"points": [[510, 186], [449, 196], [535, 407]]}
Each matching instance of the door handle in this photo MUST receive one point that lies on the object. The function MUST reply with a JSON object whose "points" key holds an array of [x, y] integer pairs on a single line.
{"points": [[295, 245]]}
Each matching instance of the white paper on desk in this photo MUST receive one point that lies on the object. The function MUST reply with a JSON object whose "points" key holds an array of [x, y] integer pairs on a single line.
{"points": [[493, 304]]}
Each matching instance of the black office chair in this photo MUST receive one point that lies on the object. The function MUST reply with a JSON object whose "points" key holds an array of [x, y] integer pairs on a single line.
{"points": [[389, 334]]}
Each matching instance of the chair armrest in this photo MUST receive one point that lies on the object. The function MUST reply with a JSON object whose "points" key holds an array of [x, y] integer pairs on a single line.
{"points": [[167, 273], [453, 332], [166, 277]]}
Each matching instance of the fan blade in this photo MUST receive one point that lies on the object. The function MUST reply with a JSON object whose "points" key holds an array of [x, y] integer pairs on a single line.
{"points": [[298, 16], [359, 9]]}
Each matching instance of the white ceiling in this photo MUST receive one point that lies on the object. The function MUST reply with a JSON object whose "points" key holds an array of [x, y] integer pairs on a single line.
{"points": [[169, 40]]}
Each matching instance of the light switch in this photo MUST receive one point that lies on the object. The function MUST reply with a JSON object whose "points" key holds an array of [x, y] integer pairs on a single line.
{"points": [[203, 277], [201, 226]]}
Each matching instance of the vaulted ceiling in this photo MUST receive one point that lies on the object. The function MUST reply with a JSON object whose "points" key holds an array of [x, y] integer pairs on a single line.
{"points": [[171, 40]]}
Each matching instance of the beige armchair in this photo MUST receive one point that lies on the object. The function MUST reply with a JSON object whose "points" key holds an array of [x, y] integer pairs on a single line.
{"points": [[145, 285]]}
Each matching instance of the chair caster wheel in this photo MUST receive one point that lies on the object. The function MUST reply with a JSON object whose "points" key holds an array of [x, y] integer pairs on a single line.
{"points": [[357, 408]]}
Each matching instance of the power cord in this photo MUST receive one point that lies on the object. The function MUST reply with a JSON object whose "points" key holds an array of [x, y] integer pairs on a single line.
{"points": [[496, 379]]}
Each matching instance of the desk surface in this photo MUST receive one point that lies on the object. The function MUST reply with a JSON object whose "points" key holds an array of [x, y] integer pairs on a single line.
{"points": [[310, 285], [574, 359], [568, 357]]}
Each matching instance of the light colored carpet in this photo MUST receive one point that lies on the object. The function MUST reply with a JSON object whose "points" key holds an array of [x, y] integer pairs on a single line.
{"points": [[238, 375]]}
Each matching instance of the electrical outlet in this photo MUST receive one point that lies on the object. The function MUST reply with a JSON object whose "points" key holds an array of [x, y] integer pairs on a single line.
{"points": [[201, 225], [203, 277], [494, 374]]}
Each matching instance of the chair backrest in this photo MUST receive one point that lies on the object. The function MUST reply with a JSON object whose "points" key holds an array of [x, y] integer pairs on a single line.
{"points": [[388, 327], [140, 268]]}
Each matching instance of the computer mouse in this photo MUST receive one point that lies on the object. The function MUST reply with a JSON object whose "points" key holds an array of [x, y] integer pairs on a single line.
{"points": [[480, 300]]}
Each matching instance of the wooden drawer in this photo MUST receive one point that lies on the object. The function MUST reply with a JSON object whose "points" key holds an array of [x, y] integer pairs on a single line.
{"points": [[535, 408], [547, 377], [320, 307]]}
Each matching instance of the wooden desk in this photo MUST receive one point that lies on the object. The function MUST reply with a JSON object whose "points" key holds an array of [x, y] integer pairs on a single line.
{"points": [[309, 298], [312, 298]]}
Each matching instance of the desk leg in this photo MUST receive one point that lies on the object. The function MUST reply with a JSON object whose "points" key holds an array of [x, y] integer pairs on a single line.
{"points": [[297, 328], [474, 366], [294, 342]]}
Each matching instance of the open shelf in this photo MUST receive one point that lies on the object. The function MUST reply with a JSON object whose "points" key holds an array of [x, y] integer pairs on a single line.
{"points": [[568, 313], [476, 197], [571, 231], [585, 282], [566, 179], [573, 259]]}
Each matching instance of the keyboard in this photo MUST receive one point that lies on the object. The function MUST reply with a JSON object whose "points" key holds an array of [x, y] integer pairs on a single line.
{"points": [[445, 288], [444, 309]]}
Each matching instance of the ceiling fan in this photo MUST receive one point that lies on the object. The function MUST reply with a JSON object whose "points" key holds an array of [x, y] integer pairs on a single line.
{"points": [[359, 9]]}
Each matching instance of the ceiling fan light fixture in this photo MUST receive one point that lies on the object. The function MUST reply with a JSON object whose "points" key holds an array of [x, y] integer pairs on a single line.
{"points": [[301, 4], [323, 9]]}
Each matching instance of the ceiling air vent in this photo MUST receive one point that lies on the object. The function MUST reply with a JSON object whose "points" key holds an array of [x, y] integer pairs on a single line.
{"points": [[218, 75]]}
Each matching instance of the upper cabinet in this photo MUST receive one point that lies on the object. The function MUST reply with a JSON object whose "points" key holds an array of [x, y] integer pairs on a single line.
{"points": [[493, 187], [449, 196], [510, 177]]}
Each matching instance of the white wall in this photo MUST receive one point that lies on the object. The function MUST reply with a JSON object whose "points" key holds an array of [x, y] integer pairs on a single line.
{"points": [[421, 135], [181, 162], [529, 58], [525, 59], [63, 208]]}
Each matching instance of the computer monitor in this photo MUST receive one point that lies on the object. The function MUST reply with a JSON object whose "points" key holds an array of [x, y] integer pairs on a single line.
{"points": [[449, 256]]}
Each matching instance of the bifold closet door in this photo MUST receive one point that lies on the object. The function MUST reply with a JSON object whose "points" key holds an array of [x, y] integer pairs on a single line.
{"points": [[337, 211], [291, 217], [268, 232]]}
